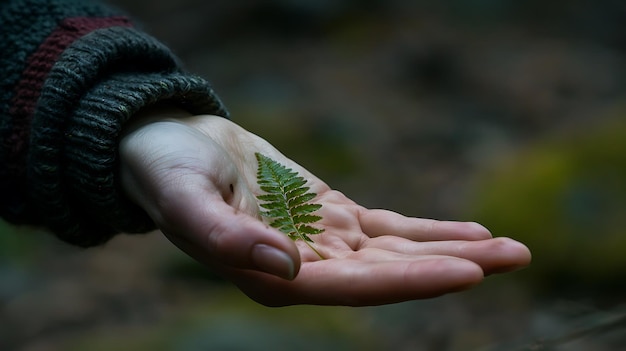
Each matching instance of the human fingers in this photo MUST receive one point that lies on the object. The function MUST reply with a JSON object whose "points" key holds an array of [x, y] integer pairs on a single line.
{"points": [[352, 282], [496, 255], [377, 222], [216, 234]]}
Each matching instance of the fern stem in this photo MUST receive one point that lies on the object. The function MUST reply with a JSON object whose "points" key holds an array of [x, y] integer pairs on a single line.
{"points": [[303, 238], [287, 202], [314, 250]]}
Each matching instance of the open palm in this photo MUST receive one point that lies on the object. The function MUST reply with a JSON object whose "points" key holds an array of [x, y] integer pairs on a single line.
{"points": [[196, 177]]}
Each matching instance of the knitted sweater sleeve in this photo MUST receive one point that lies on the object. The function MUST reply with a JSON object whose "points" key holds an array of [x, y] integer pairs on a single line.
{"points": [[73, 72]]}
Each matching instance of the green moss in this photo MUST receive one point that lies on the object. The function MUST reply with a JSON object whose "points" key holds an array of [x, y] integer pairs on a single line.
{"points": [[566, 199], [19, 244]]}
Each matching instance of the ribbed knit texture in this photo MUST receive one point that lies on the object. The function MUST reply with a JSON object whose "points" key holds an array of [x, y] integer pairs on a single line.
{"points": [[63, 113], [24, 27]]}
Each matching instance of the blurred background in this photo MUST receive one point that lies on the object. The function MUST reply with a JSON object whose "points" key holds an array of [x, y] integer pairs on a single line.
{"points": [[509, 113]]}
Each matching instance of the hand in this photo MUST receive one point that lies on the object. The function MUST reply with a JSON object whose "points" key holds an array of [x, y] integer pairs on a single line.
{"points": [[196, 177]]}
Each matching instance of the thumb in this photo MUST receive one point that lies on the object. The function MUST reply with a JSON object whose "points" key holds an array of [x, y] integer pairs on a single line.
{"points": [[179, 177], [223, 238]]}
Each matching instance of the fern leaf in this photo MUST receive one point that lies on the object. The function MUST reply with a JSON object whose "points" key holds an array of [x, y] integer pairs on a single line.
{"points": [[298, 192], [299, 200], [306, 219], [295, 183], [274, 206], [286, 202], [269, 197], [304, 209]]}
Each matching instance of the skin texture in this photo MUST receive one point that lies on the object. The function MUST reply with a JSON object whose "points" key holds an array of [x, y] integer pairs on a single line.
{"points": [[196, 177]]}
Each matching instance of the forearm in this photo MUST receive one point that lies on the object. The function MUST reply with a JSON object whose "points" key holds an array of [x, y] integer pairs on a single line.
{"points": [[76, 72]]}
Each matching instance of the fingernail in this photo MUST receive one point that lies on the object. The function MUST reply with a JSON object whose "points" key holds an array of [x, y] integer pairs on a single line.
{"points": [[273, 261]]}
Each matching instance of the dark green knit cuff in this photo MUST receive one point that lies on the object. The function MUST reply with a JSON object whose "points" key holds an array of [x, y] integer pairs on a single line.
{"points": [[73, 160]]}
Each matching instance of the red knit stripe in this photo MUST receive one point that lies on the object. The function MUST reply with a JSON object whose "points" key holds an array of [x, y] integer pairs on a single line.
{"points": [[39, 64]]}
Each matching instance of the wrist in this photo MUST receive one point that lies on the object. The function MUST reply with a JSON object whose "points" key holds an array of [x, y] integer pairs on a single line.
{"points": [[152, 114]]}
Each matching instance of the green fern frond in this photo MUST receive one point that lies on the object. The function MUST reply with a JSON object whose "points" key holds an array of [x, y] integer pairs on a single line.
{"points": [[286, 202]]}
